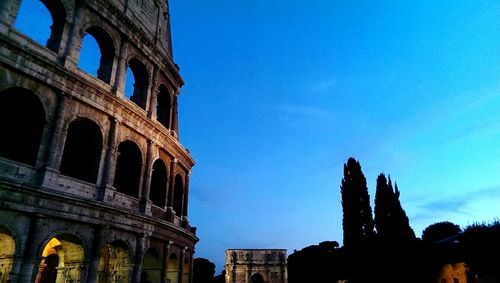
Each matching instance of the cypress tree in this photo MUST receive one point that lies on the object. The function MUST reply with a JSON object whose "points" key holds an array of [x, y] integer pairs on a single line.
{"points": [[391, 221], [357, 219]]}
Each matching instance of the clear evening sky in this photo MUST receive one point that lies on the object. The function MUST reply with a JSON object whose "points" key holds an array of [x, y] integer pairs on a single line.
{"points": [[279, 94]]}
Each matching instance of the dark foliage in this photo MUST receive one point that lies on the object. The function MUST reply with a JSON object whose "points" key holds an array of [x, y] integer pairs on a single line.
{"points": [[221, 278], [203, 270], [391, 221], [440, 231], [357, 213]]}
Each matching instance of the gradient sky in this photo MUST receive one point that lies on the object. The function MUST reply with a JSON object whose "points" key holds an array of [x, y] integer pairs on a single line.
{"points": [[279, 95]]}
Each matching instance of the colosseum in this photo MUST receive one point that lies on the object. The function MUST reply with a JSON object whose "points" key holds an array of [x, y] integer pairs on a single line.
{"points": [[94, 182]]}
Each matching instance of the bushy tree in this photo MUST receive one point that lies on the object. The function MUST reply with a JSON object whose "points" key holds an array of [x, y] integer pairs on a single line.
{"points": [[439, 231], [357, 219]]}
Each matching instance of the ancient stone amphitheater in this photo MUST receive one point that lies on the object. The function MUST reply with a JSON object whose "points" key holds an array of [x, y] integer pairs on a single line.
{"points": [[93, 180]]}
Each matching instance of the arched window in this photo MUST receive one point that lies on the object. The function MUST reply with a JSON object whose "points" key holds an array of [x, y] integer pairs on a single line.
{"points": [[136, 83], [7, 252], [128, 169], [43, 21], [158, 190], [151, 267], [62, 252], [115, 263], [173, 268], [97, 54], [22, 119], [163, 106], [82, 150], [178, 195]]}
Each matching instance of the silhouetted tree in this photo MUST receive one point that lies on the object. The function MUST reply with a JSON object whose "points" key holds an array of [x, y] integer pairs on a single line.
{"points": [[221, 278], [317, 263], [203, 270], [439, 231], [357, 219], [391, 221]]}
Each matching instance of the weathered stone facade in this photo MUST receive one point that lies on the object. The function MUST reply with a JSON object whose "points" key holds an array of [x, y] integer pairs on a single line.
{"points": [[256, 266], [93, 185]]}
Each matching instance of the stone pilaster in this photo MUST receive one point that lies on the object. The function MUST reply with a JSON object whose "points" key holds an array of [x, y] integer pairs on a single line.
{"points": [[108, 167], [96, 254], [146, 184]]}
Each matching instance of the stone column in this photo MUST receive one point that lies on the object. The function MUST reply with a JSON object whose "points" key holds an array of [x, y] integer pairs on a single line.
{"points": [[146, 183], [175, 123], [153, 94], [139, 255], [74, 41], [191, 266], [171, 188], [55, 144], [30, 257], [96, 254], [181, 264], [166, 253], [121, 70], [108, 168]]}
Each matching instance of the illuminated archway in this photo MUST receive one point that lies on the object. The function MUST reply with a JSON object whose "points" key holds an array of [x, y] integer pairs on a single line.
{"points": [[151, 267], [173, 268], [62, 260], [115, 263], [7, 252]]}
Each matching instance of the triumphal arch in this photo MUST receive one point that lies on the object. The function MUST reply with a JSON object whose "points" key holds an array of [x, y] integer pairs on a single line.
{"points": [[256, 266], [94, 181]]}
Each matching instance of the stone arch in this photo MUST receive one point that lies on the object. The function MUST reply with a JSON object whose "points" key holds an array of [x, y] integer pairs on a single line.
{"points": [[139, 82], [173, 268], [22, 120], [62, 260], [58, 16], [164, 106], [128, 168], [178, 194], [82, 150], [256, 278], [107, 51], [159, 178], [151, 266], [115, 263], [7, 253]]}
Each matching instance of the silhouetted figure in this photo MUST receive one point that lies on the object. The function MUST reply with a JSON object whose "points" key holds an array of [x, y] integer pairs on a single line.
{"points": [[145, 277], [49, 272]]}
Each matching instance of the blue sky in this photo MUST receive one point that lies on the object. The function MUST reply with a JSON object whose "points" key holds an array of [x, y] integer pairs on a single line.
{"points": [[278, 96]]}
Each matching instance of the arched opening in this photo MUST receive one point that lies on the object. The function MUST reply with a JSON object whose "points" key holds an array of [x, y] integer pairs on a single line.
{"points": [[47, 26], [158, 190], [151, 267], [256, 278], [82, 151], [22, 119], [136, 83], [62, 260], [97, 44], [163, 106], [115, 263], [128, 169], [178, 195], [173, 268], [7, 252]]}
